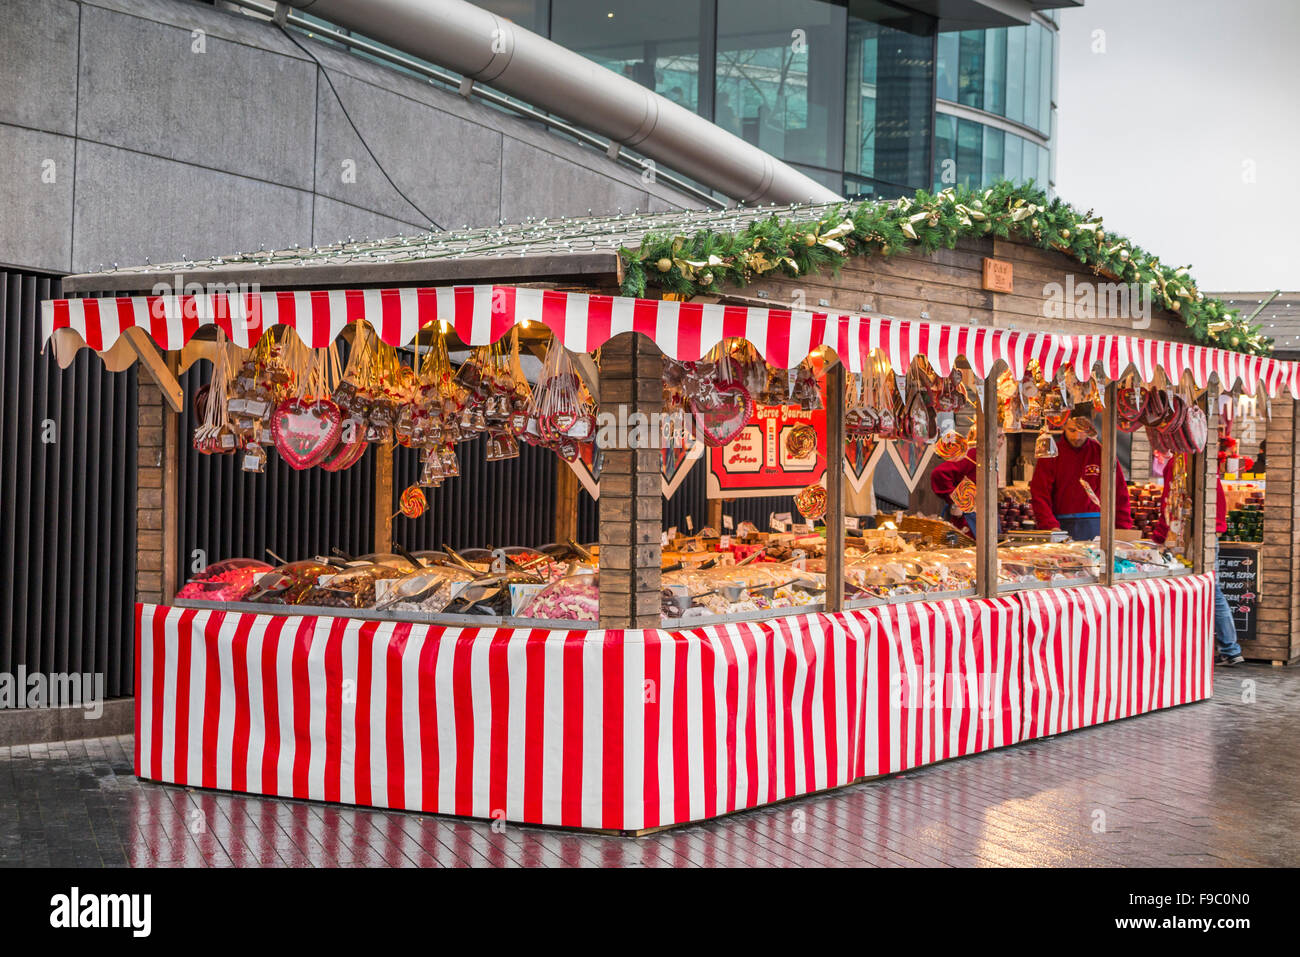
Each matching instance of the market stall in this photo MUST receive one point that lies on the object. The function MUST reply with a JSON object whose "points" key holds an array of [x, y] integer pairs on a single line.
{"points": [[652, 676]]}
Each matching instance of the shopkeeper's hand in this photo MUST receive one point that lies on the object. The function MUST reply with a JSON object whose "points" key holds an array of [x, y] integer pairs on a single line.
{"points": [[955, 512]]}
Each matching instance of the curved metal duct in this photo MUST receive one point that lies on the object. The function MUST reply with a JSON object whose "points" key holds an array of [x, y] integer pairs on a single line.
{"points": [[478, 44]]}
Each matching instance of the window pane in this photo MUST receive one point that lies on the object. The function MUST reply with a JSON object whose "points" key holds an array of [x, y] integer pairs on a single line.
{"points": [[1016, 73], [995, 71], [945, 151], [1015, 156], [970, 80], [970, 149], [993, 147], [1029, 165], [656, 46], [948, 65], [889, 94], [1045, 81], [1044, 162], [529, 14], [1032, 48], [780, 76]]}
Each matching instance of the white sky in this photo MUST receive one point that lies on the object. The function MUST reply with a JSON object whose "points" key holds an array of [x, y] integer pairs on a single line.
{"points": [[1154, 133]]}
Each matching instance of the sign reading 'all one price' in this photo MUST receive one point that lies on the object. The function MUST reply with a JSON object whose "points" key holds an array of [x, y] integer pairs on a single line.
{"points": [[767, 457]]}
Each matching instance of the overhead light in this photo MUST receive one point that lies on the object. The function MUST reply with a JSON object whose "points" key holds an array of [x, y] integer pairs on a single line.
{"points": [[610, 15]]}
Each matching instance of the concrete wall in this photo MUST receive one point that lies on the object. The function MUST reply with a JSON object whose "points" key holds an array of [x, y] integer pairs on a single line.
{"points": [[165, 129]]}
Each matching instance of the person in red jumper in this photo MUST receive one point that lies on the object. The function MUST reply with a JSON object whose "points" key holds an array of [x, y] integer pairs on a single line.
{"points": [[944, 481], [1227, 650], [1065, 490], [948, 475]]}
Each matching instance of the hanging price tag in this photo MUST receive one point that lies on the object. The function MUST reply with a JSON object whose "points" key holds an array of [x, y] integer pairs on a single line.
{"points": [[672, 533], [804, 529], [851, 523], [785, 518], [728, 523], [663, 539], [724, 543], [690, 524], [777, 525]]}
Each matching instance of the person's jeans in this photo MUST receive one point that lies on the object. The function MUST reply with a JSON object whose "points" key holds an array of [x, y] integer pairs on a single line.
{"points": [[1225, 631], [1083, 527]]}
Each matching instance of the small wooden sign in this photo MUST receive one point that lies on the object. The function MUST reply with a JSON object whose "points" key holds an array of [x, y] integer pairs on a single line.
{"points": [[997, 275]]}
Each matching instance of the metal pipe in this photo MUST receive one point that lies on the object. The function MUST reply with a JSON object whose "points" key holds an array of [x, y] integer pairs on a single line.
{"points": [[484, 47]]}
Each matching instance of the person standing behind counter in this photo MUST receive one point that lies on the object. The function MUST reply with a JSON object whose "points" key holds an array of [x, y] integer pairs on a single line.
{"points": [[1065, 490]]}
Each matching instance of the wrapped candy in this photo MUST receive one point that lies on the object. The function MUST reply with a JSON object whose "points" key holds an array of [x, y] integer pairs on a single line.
{"points": [[573, 598]]}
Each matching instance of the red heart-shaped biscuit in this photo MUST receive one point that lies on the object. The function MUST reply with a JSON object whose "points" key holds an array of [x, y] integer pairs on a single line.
{"points": [[306, 431], [349, 449], [719, 423]]}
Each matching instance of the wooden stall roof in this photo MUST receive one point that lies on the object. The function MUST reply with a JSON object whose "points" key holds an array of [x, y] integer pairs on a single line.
{"points": [[535, 249]]}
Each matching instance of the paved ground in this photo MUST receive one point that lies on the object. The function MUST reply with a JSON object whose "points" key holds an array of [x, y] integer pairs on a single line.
{"points": [[1206, 784]]}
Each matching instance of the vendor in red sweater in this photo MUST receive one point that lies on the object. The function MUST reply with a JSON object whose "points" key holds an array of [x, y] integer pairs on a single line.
{"points": [[947, 476], [1065, 490], [944, 481]]}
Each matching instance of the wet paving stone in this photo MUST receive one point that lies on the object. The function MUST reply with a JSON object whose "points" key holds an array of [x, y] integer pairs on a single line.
{"points": [[1211, 784]]}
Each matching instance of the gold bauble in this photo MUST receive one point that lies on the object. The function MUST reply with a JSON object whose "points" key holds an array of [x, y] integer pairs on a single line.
{"points": [[664, 264], [1065, 234], [706, 279], [810, 240]]}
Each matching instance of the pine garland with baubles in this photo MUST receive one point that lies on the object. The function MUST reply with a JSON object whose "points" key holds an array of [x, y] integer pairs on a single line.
{"points": [[709, 260]]}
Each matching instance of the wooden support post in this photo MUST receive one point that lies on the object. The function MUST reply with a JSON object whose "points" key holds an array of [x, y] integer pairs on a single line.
{"points": [[384, 497], [566, 501], [986, 489], [172, 426], [631, 493], [714, 519], [1106, 483], [1203, 479], [835, 487], [163, 370]]}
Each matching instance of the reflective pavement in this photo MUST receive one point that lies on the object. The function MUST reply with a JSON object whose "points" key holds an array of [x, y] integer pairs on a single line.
{"points": [[1206, 784]]}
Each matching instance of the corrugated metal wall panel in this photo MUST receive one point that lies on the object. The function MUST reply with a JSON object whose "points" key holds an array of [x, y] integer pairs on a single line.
{"points": [[68, 464], [510, 502]]}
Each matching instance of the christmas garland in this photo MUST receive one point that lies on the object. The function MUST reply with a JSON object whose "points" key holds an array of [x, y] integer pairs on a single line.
{"points": [[709, 260]]}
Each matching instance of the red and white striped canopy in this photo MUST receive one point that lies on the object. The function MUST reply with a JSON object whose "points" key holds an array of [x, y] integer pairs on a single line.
{"points": [[683, 330]]}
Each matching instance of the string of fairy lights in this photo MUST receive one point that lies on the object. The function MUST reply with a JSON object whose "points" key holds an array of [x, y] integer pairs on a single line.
{"points": [[533, 235]]}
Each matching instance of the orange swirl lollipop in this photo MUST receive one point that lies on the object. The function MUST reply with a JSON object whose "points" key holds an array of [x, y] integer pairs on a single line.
{"points": [[413, 502]]}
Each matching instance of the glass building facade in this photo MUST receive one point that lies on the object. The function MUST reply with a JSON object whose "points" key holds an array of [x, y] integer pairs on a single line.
{"points": [[866, 96]]}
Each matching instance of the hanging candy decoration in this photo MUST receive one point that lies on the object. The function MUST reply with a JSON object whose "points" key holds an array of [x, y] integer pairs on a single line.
{"points": [[412, 501], [562, 413], [951, 445], [806, 391], [306, 431], [216, 435], [1045, 445], [811, 502]]}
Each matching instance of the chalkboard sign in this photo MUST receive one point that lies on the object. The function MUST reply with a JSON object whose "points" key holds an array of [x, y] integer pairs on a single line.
{"points": [[1239, 577]]}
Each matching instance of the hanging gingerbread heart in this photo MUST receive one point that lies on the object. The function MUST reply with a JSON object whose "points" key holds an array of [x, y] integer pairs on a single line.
{"points": [[349, 448], [563, 420], [305, 431], [720, 424]]}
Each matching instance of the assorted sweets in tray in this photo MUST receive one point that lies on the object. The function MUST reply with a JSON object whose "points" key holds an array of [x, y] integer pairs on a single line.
{"points": [[702, 577]]}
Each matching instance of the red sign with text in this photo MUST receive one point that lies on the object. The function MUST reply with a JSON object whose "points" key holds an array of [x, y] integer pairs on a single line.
{"points": [[765, 459]]}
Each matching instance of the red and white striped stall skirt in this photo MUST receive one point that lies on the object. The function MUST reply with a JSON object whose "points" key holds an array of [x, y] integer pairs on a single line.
{"points": [[628, 730]]}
